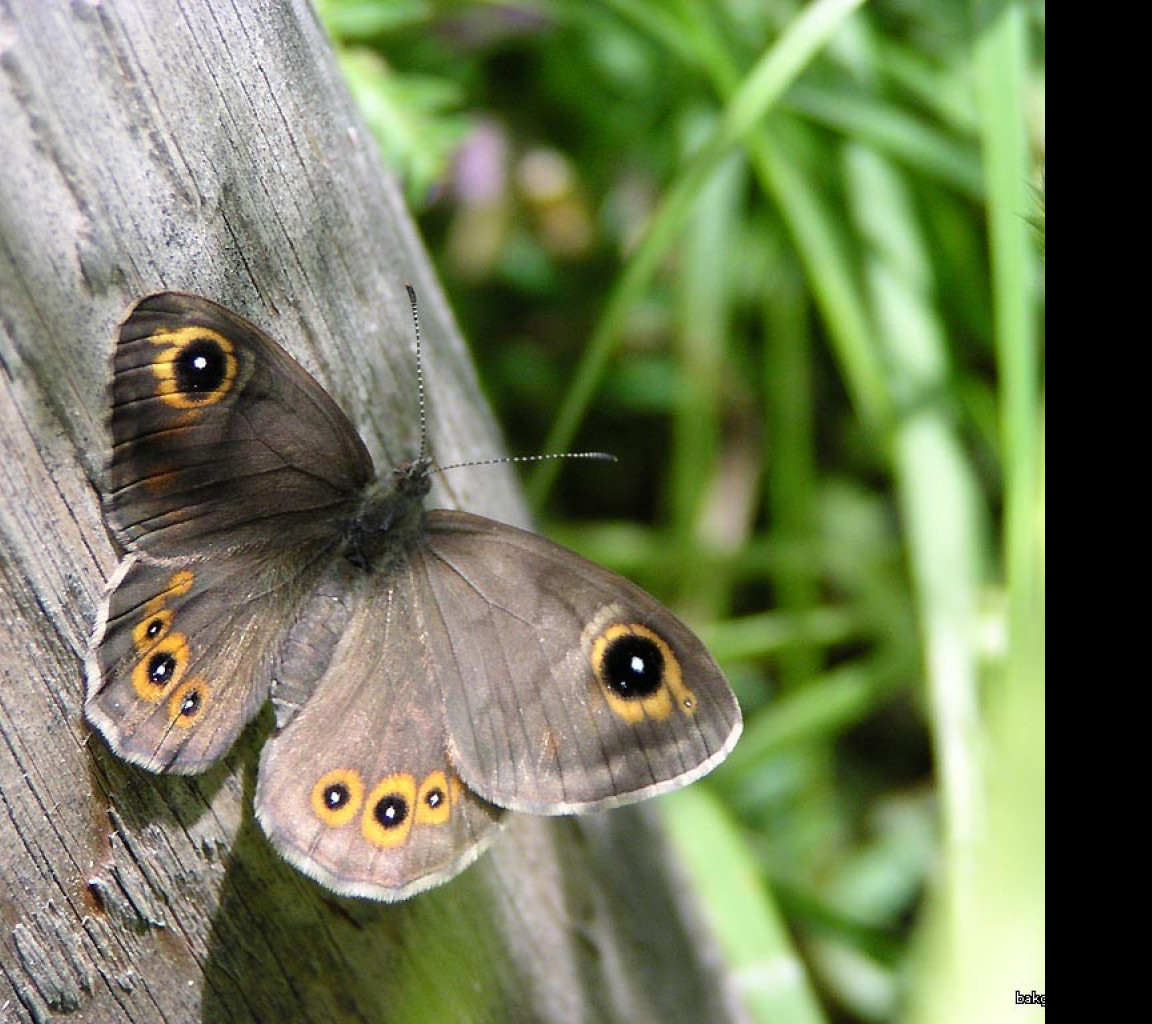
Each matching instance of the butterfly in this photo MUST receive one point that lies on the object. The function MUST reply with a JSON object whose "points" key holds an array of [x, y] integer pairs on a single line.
{"points": [[430, 669]]}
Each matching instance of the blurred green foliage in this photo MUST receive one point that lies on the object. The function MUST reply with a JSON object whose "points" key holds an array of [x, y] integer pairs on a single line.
{"points": [[785, 261]]}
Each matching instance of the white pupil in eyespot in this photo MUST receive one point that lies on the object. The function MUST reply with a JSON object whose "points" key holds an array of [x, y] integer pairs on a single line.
{"points": [[200, 362], [637, 665]]}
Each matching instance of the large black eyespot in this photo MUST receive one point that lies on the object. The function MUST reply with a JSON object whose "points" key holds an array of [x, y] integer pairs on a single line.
{"points": [[336, 796], [160, 668], [434, 797], [201, 367], [162, 662], [391, 811], [632, 667]]}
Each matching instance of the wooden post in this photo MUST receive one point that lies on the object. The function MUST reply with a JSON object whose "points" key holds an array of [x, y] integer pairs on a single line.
{"points": [[212, 147]]}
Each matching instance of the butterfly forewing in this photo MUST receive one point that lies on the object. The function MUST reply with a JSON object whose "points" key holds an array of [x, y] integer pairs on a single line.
{"points": [[220, 439]]}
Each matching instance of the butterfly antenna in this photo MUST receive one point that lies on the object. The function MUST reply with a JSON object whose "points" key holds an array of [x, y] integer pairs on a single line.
{"points": [[599, 456], [419, 371]]}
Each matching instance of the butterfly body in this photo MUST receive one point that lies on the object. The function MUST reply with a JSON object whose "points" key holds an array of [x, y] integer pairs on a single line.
{"points": [[430, 669]]}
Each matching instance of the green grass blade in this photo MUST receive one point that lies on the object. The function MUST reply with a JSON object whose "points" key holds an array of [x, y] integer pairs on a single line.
{"points": [[758, 92], [752, 935]]}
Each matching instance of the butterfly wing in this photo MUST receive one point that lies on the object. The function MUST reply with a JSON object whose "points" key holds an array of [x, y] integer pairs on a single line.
{"points": [[565, 687], [220, 438], [232, 467], [182, 655], [357, 789]]}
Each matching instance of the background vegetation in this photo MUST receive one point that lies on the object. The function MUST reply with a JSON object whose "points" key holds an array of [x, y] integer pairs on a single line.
{"points": [[785, 261]]}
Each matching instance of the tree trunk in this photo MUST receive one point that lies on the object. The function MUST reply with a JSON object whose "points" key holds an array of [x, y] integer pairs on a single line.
{"points": [[212, 147]]}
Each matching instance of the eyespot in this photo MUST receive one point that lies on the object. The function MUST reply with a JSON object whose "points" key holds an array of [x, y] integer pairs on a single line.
{"points": [[178, 585], [638, 673], [160, 667], [197, 366], [337, 796], [433, 804], [188, 703], [151, 629], [388, 811]]}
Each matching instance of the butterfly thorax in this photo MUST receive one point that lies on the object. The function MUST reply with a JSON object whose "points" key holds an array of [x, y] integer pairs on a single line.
{"points": [[390, 519]]}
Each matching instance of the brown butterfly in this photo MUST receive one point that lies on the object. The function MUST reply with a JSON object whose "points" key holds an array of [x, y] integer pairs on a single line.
{"points": [[429, 669]]}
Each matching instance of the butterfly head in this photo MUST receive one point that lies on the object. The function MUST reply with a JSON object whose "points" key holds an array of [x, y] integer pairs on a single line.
{"points": [[413, 478]]}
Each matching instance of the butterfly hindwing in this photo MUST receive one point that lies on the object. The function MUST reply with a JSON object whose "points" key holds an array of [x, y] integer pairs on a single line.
{"points": [[182, 656], [356, 789]]}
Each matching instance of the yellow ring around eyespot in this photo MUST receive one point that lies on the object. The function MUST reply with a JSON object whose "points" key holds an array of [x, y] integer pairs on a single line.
{"points": [[455, 789], [335, 817], [174, 644], [176, 713], [181, 582], [658, 706], [178, 585], [426, 814], [164, 365], [162, 618], [403, 786]]}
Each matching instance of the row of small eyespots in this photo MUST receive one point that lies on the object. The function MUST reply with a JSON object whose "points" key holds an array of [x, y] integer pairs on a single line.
{"points": [[163, 659], [639, 674], [395, 803]]}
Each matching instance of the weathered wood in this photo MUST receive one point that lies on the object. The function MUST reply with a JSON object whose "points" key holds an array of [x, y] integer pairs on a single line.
{"points": [[212, 147]]}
